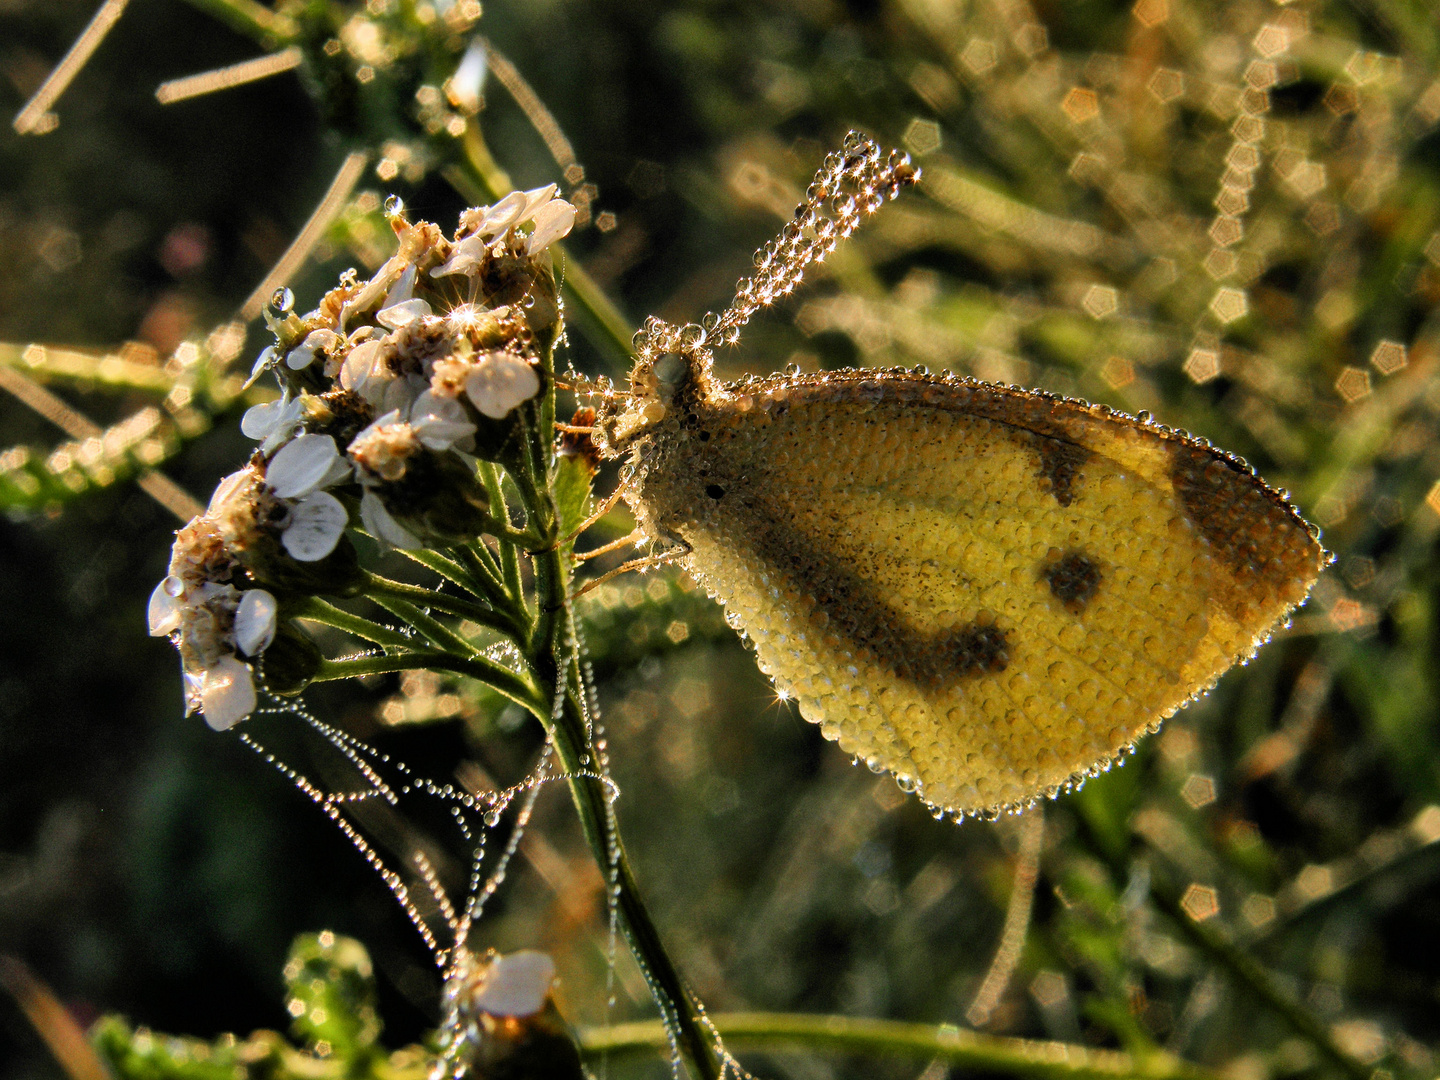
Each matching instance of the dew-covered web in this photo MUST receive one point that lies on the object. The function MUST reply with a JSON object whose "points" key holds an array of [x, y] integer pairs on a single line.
{"points": [[413, 879]]}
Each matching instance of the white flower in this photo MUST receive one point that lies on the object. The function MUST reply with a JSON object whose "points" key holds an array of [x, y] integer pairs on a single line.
{"points": [[303, 354], [272, 422], [226, 693], [439, 422], [362, 372], [210, 620], [402, 290], [297, 473], [552, 218], [255, 621], [500, 382], [552, 221], [165, 610], [402, 314], [516, 984]]}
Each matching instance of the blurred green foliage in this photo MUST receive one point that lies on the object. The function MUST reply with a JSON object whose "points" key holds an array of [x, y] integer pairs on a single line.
{"points": [[1225, 214]]}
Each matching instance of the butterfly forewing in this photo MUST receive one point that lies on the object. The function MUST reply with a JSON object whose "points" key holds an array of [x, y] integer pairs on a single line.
{"points": [[986, 591]]}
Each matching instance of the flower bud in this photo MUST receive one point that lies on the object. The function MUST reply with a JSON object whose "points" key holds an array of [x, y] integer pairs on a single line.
{"points": [[501, 1021], [291, 661]]}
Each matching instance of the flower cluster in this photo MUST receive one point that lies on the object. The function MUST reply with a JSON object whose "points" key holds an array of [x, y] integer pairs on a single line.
{"points": [[391, 389], [500, 1019]]}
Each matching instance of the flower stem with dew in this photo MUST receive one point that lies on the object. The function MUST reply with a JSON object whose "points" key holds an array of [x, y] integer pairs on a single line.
{"points": [[553, 652], [319, 611]]}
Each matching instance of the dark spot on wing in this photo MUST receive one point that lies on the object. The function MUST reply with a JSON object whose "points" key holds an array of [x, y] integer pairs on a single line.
{"points": [[1073, 578], [980, 647], [715, 491], [1060, 464]]}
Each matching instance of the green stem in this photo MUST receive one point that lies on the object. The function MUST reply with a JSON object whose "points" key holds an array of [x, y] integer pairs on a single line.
{"points": [[490, 476], [316, 610], [251, 18], [449, 569], [557, 665], [501, 679], [954, 1046], [479, 560], [434, 631], [377, 587], [1258, 980]]}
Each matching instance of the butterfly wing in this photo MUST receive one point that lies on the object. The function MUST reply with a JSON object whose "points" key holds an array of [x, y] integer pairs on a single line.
{"points": [[988, 592]]}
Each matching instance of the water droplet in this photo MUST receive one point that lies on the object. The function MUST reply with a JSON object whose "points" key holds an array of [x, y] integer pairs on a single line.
{"points": [[394, 206], [492, 818], [282, 300]]}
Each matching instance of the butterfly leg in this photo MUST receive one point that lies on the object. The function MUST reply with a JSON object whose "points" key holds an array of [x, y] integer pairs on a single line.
{"points": [[659, 558], [631, 540]]}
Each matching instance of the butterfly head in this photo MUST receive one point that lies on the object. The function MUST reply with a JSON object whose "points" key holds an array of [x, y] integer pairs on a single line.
{"points": [[672, 369]]}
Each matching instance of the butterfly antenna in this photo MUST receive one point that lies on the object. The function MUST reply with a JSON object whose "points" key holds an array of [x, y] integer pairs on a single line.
{"points": [[852, 184]]}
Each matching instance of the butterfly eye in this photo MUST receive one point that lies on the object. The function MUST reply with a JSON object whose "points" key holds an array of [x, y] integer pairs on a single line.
{"points": [[670, 369]]}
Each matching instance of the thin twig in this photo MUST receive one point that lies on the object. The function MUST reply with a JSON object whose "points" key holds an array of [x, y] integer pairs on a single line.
{"points": [[330, 205], [1017, 918], [80, 427], [247, 71], [52, 1022], [35, 118]]}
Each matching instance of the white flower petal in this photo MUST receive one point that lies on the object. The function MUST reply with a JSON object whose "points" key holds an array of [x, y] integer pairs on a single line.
{"points": [[255, 621], [300, 466], [517, 984], [227, 693], [164, 611], [535, 198], [259, 420], [399, 395], [358, 367], [503, 215], [374, 289], [226, 489], [499, 383], [341, 472], [403, 314], [464, 257], [262, 362], [552, 221], [379, 524], [316, 524], [303, 354], [402, 290], [439, 421]]}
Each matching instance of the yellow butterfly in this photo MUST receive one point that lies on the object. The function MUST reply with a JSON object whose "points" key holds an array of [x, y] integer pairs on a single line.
{"points": [[987, 591]]}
